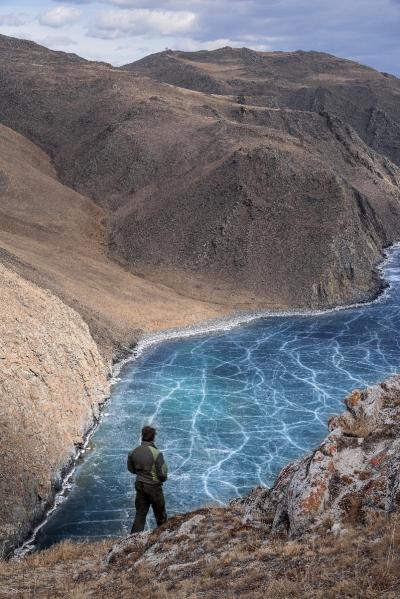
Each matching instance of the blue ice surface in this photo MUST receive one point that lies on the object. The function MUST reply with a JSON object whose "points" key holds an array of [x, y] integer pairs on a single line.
{"points": [[231, 408]]}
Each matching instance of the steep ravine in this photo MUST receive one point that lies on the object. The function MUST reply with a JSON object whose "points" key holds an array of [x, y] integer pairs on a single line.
{"points": [[52, 380]]}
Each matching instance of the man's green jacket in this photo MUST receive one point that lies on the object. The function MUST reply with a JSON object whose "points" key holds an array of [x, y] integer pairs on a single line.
{"points": [[147, 462]]}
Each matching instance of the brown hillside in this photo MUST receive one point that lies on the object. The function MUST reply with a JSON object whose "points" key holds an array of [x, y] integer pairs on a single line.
{"points": [[55, 237], [247, 205], [313, 81]]}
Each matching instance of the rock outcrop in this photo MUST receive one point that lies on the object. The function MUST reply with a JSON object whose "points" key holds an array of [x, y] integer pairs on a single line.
{"points": [[352, 476], [52, 380]]}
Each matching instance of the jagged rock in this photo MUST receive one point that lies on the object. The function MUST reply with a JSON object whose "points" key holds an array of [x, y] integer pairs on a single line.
{"points": [[127, 547], [354, 472]]}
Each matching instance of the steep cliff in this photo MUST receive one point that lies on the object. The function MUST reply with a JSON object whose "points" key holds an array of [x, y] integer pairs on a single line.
{"points": [[52, 380]]}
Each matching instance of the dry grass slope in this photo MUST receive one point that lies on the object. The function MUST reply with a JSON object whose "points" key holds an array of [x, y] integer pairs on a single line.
{"points": [[236, 561], [56, 238]]}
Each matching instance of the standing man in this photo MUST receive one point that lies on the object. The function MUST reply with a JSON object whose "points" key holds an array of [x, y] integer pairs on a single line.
{"points": [[147, 462]]}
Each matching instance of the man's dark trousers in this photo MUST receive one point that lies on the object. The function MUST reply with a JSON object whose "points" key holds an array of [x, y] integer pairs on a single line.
{"points": [[148, 495]]}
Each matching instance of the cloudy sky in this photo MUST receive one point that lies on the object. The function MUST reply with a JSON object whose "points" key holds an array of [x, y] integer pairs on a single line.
{"points": [[120, 31]]}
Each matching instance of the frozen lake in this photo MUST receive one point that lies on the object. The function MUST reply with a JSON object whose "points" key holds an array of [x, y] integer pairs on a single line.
{"points": [[231, 409]]}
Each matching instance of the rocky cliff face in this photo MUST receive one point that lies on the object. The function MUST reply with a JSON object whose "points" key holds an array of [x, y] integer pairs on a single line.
{"points": [[294, 222], [353, 475], [52, 380]]}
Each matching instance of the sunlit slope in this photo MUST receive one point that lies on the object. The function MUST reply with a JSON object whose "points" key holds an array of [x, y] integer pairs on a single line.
{"points": [[52, 379], [55, 237]]}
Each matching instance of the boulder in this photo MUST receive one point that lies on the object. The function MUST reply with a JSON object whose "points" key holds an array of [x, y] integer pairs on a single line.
{"points": [[354, 473]]}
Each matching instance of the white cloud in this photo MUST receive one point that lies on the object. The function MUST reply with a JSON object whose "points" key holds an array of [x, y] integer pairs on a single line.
{"points": [[138, 4], [60, 16], [113, 24], [14, 19], [262, 44]]}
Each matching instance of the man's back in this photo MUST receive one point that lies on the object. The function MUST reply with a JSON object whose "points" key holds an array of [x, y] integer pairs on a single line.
{"points": [[147, 462]]}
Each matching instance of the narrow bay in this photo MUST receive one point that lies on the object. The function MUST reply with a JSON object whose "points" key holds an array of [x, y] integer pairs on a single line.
{"points": [[231, 408]]}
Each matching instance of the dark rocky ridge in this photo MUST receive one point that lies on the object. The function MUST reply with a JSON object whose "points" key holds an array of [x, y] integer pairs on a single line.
{"points": [[312, 81], [246, 204]]}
